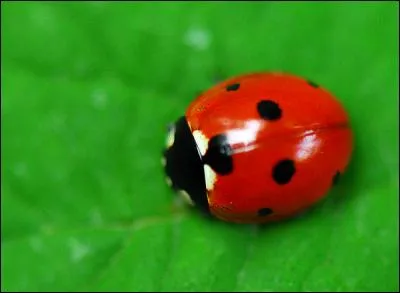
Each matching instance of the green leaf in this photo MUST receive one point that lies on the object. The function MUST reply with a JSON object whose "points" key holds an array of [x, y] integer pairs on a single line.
{"points": [[87, 90]]}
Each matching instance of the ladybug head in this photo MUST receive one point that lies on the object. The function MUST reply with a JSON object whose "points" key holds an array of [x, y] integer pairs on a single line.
{"points": [[183, 164]]}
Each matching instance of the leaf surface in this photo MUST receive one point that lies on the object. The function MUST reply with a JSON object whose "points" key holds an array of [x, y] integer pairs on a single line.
{"points": [[87, 90]]}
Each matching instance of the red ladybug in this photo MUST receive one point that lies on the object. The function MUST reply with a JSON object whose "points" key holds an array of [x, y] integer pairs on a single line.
{"points": [[258, 147]]}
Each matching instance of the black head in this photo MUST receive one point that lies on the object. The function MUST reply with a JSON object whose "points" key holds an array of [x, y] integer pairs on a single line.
{"points": [[183, 163]]}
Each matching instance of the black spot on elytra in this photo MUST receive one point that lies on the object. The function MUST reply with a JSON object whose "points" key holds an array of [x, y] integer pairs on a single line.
{"points": [[269, 110], [313, 84], [218, 155], [335, 178], [283, 171], [264, 212], [233, 87]]}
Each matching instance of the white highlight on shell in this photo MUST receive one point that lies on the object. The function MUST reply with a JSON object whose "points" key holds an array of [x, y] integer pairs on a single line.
{"points": [[201, 141], [244, 135], [170, 137], [307, 146], [210, 177], [186, 197]]}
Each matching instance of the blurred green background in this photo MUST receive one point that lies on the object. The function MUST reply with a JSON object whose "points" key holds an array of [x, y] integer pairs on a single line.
{"points": [[87, 90]]}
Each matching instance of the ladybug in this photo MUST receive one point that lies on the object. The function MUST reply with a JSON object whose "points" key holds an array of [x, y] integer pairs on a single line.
{"points": [[258, 147]]}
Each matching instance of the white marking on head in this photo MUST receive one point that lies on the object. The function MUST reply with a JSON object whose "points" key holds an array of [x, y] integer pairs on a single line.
{"points": [[163, 161], [201, 141], [169, 181], [170, 137], [210, 176], [186, 197]]}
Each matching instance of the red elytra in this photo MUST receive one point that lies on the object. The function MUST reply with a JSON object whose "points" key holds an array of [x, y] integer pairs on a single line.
{"points": [[269, 144]]}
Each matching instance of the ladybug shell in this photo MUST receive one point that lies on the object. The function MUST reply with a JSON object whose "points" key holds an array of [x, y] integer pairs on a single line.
{"points": [[271, 145]]}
